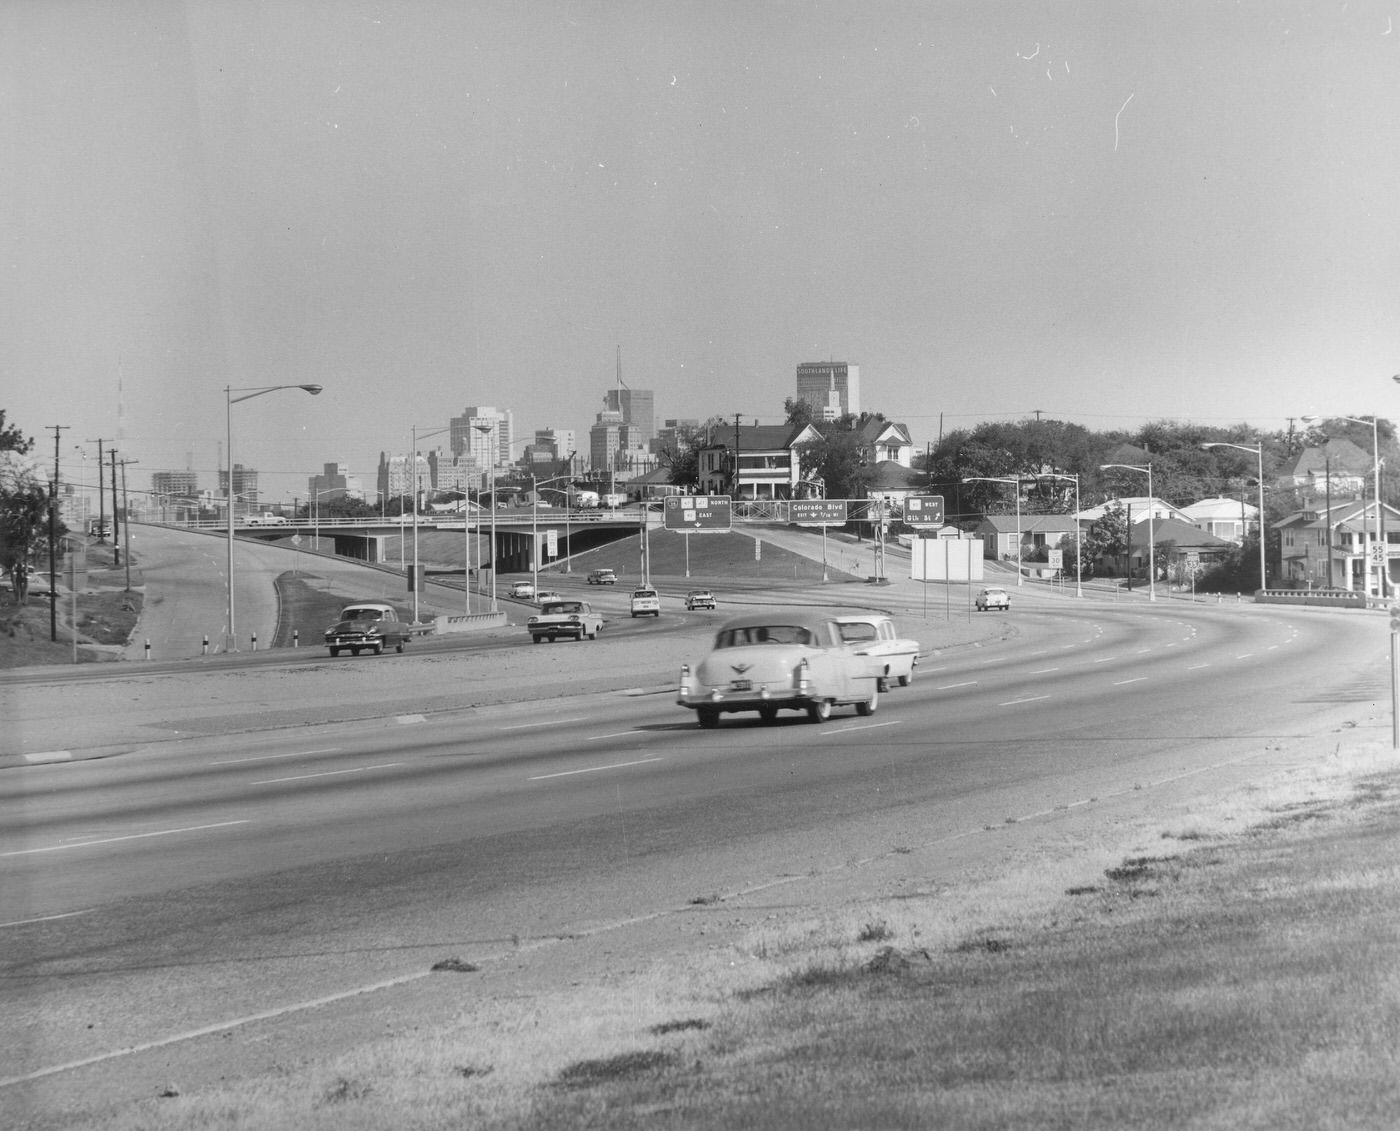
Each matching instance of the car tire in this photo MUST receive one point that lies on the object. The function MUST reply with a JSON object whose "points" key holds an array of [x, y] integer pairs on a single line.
{"points": [[334, 652], [868, 707], [536, 639], [354, 651], [378, 649], [707, 717], [906, 680], [819, 710], [399, 647], [768, 715]]}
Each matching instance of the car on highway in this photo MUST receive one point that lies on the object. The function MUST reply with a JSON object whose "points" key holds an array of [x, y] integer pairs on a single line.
{"points": [[547, 595], [785, 660], [993, 598], [602, 577], [646, 602], [874, 638], [522, 589], [564, 617], [699, 599], [368, 626], [267, 518]]}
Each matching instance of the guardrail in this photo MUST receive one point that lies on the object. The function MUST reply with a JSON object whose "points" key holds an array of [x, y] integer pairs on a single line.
{"points": [[1330, 598]]}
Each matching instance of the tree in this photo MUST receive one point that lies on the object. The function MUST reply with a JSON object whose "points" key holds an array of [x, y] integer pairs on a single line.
{"points": [[24, 506]]}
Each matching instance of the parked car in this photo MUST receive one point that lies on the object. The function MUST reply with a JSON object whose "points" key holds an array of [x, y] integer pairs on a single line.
{"points": [[699, 599], [367, 626], [646, 602], [778, 661], [564, 617], [602, 577], [522, 589], [993, 598], [873, 636]]}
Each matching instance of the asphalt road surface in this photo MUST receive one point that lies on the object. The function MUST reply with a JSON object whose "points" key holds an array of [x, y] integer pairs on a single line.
{"points": [[230, 895]]}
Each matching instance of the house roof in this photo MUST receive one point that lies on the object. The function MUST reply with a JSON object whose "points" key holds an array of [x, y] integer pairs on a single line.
{"points": [[875, 431], [1186, 536], [1203, 510], [764, 437], [1029, 524], [1345, 457], [1136, 504], [1356, 515]]}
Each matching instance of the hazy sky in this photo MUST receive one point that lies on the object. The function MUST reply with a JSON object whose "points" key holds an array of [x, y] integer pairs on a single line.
{"points": [[1109, 211]]}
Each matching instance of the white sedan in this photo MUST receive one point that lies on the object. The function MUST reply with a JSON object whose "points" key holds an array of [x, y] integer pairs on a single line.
{"points": [[874, 638], [778, 661]]}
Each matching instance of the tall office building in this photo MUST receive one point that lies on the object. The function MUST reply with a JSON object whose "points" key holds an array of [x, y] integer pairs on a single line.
{"points": [[832, 388], [637, 408], [468, 438]]}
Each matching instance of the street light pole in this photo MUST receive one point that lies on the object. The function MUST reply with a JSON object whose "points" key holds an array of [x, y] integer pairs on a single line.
{"points": [[489, 429], [1382, 565], [1017, 482], [231, 643], [1151, 529], [1258, 452], [1078, 533]]}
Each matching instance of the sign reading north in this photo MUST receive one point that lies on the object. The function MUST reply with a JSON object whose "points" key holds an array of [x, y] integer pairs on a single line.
{"points": [[817, 512], [924, 510], [698, 514]]}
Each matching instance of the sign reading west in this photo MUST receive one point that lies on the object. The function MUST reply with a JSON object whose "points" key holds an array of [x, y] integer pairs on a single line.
{"points": [[817, 512], [924, 510], [698, 514]]}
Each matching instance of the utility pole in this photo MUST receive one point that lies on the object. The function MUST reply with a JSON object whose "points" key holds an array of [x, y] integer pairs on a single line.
{"points": [[736, 455], [126, 524], [58, 430], [116, 546], [101, 498]]}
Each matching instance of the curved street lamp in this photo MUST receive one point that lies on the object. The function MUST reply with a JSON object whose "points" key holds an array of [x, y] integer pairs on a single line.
{"points": [[1017, 482], [1259, 452], [249, 392], [1382, 566], [1151, 530], [1078, 532]]}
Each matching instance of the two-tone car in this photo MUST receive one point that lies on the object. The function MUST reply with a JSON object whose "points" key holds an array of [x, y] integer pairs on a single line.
{"points": [[602, 576], [368, 626], [699, 599], [993, 597], [873, 637], [787, 660], [564, 617]]}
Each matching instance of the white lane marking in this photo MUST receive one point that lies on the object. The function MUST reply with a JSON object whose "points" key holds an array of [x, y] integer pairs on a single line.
{"points": [[48, 918], [593, 769], [827, 732], [1029, 699], [1244, 656], [1197, 667], [271, 757], [550, 723], [950, 686], [327, 774], [616, 734], [1042, 671], [119, 839], [1106, 660], [1135, 679]]}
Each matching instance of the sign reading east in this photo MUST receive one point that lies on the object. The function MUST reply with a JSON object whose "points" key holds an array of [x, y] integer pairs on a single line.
{"points": [[698, 514], [924, 510], [817, 512]]}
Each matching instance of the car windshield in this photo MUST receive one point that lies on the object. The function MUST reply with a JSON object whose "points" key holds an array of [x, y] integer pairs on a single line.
{"points": [[763, 634], [858, 633], [564, 607], [645, 593], [362, 614]]}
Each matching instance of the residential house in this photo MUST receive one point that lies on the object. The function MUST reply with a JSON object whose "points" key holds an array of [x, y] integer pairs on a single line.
{"points": [[1338, 467], [1337, 548], [768, 466], [1136, 507], [1037, 532], [1230, 519]]}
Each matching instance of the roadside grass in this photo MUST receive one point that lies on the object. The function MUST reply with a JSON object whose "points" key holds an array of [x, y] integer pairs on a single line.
{"points": [[1231, 967], [105, 616]]}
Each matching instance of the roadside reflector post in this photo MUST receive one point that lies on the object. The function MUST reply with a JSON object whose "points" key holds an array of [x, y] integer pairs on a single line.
{"points": [[148, 647], [255, 642], [296, 638], [205, 650]]}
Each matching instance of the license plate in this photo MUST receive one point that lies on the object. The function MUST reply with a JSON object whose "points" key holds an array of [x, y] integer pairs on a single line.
{"points": [[741, 685]]}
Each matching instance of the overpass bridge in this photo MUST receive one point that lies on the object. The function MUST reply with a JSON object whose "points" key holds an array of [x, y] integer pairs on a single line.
{"points": [[517, 535]]}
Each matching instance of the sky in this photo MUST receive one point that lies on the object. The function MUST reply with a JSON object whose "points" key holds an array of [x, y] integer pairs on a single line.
{"points": [[1107, 212]]}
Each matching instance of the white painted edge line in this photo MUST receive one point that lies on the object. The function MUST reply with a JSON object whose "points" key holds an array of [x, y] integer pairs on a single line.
{"points": [[49, 756], [119, 839], [408, 720], [327, 774], [48, 918], [834, 732], [1135, 679], [950, 686], [593, 769], [1029, 699], [222, 1026], [549, 723], [616, 734]]}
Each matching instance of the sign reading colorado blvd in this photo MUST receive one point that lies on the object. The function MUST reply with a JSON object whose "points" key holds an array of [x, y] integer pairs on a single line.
{"points": [[698, 514], [924, 510], [817, 512]]}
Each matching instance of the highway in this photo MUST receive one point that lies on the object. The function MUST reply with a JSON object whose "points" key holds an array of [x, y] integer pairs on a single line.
{"points": [[194, 884]]}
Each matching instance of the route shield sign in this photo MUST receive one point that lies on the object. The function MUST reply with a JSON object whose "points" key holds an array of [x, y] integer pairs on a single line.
{"points": [[817, 512], [924, 510], [698, 514]]}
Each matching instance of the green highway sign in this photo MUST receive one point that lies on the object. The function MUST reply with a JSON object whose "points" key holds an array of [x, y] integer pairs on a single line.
{"points": [[817, 512], [924, 510], [698, 514]]}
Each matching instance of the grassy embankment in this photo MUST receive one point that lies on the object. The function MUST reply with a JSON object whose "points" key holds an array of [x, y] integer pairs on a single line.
{"points": [[107, 613]]}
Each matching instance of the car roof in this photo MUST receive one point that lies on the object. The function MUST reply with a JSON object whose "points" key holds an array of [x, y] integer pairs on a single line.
{"points": [[777, 616], [861, 618], [380, 605]]}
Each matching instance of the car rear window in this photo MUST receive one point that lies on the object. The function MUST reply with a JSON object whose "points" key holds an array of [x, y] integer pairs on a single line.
{"points": [[763, 634], [362, 614]]}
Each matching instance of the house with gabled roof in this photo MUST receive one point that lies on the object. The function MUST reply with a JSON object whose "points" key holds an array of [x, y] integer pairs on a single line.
{"points": [[1339, 466], [1230, 519], [1336, 548], [758, 461], [886, 441]]}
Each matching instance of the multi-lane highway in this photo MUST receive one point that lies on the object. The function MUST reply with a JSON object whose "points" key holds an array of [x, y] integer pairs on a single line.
{"points": [[195, 884]]}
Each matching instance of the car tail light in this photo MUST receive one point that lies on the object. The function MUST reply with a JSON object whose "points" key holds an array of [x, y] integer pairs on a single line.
{"points": [[684, 689], [804, 677]]}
